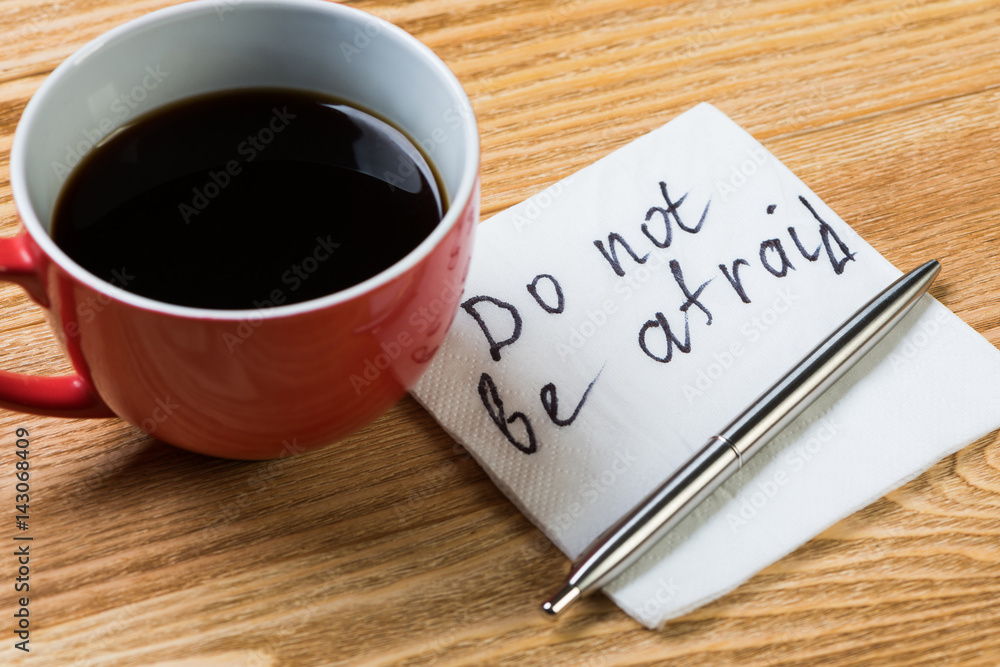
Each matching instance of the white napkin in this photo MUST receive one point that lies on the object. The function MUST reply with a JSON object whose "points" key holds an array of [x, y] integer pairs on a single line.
{"points": [[560, 378]]}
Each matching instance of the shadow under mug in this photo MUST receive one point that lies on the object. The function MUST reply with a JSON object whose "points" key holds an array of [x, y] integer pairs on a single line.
{"points": [[246, 384]]}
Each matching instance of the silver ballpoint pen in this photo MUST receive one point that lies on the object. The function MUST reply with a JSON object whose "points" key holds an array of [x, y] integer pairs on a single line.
{"points": [[627, 540]]}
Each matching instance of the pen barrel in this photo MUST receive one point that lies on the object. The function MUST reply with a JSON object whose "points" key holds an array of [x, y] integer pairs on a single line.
{"points": [[625, 542], [827, 363]]}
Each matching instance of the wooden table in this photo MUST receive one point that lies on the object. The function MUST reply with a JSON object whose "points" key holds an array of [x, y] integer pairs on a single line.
{"points": [[393, 547]]}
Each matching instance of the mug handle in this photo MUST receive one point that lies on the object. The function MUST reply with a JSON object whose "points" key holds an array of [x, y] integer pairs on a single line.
{"points": [[58, 396]]}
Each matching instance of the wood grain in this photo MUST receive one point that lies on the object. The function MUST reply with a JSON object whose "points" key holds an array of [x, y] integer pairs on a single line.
{"points": [[392, 547]]}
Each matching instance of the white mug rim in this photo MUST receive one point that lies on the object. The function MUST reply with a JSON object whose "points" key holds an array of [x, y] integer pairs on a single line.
{"points": [[33, 225]]}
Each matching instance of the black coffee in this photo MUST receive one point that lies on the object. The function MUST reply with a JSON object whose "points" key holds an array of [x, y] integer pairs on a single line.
{"points": [[245, 199]]}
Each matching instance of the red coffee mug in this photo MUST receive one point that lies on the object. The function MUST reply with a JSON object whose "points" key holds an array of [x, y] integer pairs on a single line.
{"points": [[246, 384]]}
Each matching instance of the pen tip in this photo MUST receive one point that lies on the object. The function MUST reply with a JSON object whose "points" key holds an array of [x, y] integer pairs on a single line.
{"points": [[561, 600]]}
